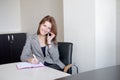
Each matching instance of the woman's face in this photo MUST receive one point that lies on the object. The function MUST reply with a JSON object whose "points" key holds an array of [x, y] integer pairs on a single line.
{"points": [[45, 28]]}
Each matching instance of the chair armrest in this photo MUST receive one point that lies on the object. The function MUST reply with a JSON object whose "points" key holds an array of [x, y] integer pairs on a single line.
{"points": [[67, 67]]}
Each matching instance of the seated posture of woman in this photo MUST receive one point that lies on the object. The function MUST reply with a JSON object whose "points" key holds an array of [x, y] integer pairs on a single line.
{"points": [[43, 45]]}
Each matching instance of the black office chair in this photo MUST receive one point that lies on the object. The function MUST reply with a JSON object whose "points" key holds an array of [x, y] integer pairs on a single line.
{"points": [[65, 51]]}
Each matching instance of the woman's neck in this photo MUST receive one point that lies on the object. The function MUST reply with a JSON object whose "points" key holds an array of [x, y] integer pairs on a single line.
{"points": [[42, 40], [42, 37]]}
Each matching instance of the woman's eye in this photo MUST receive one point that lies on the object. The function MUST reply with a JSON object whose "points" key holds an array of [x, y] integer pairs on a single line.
{"points": [[44, 25], [49, 28]]}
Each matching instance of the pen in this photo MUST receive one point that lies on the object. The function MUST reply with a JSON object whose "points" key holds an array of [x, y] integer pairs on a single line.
{"points": [[35, 60], [34, 56]]}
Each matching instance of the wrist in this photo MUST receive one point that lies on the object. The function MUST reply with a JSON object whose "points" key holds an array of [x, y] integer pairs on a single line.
{"points": [[49, 43], [29, 60]]}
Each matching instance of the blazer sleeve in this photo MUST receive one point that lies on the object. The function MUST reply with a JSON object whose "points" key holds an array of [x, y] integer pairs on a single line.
{"points": [[27, 52], [54, 53]]}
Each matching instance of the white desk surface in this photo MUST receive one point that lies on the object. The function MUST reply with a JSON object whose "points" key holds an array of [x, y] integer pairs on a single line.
{"points": [[10, 72]]}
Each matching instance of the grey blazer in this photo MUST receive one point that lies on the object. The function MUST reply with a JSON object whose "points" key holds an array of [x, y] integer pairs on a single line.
{"points": [[33, 46]]}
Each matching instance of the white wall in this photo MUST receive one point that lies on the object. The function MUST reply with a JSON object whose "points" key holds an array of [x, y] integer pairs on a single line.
{"points": [[91, 26], [32, 11], [79, 28], [10, 19], [105, 36]]}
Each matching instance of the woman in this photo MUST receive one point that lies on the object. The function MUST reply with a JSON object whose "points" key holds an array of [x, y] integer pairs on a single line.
{"points": [[42, 47]]}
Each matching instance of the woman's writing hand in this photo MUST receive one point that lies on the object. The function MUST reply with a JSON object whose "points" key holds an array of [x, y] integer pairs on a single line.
{"points": [[33, 61]]}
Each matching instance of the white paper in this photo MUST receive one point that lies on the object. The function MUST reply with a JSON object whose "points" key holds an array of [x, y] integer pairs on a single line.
{"points": [[23, 65]]}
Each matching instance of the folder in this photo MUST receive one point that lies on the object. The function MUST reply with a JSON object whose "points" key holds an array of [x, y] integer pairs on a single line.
{"points": [[25, 65]]}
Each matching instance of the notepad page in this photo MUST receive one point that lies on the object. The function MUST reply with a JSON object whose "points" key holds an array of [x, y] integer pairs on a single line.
{"points": [[23, 65]]}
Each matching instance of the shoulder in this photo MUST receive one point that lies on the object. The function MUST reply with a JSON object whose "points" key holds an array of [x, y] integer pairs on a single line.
{"points": [[54, 45], [31, 38], [34, 36]]}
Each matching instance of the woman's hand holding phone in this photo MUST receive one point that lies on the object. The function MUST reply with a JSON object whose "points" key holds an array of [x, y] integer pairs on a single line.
{"points": [[50, 36]]}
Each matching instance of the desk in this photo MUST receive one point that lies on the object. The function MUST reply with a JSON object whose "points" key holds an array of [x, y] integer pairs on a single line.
{"points": [[109, 73], [10, 72]]}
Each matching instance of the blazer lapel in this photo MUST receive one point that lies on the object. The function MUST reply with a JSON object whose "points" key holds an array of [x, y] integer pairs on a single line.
{"points": [[36, 45]]}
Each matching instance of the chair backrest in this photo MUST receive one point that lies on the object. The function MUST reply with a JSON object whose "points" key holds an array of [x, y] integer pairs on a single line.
{"points": [[65, 51]]}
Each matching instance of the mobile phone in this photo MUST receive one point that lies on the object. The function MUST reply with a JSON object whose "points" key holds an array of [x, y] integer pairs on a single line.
{"points": [[49, 34]]}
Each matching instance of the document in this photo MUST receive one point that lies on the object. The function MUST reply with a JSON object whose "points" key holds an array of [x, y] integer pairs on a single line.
{"points": [[24, 65]]}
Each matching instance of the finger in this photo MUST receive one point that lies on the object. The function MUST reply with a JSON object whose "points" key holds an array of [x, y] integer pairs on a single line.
{"points": [[35, 60]]}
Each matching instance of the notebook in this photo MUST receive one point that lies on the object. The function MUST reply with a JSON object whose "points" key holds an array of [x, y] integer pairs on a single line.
{"points": [[25, 65]]}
